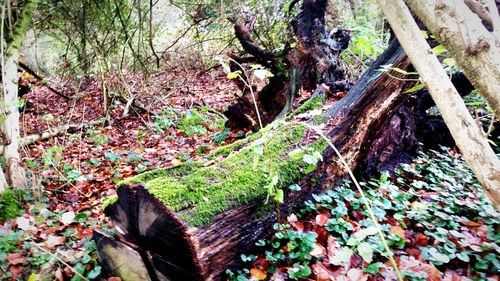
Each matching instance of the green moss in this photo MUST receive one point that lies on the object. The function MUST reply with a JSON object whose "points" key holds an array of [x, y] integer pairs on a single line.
{"points": [[313, 103], [319, 119], [10, 205], [200, 194], [227, 149], [109, 201]]}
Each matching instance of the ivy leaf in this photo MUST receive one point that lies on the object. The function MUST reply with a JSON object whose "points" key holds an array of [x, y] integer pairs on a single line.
{"points": [[373, 268], [342, 256], [365, 250]]}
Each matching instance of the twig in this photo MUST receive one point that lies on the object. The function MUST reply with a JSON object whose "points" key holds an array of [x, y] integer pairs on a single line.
{"points": [[59, 260], [40, 79]]}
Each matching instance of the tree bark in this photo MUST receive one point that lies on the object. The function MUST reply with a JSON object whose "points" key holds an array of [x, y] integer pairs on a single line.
{"points": [[474, 48], [466, 133], [10, 126], [175, 246]]}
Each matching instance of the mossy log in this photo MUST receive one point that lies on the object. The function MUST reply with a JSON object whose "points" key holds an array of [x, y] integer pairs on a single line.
{"points": [[193, 221]]}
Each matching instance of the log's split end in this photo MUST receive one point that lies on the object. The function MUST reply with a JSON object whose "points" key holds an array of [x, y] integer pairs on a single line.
{"points": [[151, 240]]}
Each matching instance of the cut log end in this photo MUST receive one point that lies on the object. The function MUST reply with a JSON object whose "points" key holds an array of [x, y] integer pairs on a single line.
{"points": [[161, 239]]}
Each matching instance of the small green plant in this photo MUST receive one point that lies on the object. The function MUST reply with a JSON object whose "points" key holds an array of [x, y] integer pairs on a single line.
{"points": [[164, 121], [97, 137], [193, 123], [221, 137]]}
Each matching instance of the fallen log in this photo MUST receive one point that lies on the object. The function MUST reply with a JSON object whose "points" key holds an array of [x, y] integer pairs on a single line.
{"points": [[193, 221]]}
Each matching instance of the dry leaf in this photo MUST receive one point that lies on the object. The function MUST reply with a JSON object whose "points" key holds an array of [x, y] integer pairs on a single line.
{"points": [[15, 258], [258, 274]]}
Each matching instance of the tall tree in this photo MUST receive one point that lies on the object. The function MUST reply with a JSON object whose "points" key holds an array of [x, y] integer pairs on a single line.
{"points": [[16, 18], [469, 41], [466, 133]]}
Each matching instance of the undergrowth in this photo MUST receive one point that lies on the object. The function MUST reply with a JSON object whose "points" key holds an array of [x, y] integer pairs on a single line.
{"points": [[434, 214]]}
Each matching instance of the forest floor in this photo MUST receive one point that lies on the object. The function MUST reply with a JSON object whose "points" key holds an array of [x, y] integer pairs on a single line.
{"points": [[433, 232], [74, 172]]}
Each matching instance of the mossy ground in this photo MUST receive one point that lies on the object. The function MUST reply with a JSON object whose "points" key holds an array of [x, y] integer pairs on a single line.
{"points": [[199, 193], [10, 205]]}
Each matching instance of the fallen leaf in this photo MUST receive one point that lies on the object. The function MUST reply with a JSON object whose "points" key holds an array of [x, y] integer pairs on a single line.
{"points": [[419, 205], [59, 275], [342, 256], [25, 224], [15, 258], [356, 274], [397, 230], [318, 251], [322, 272], [67, 218], [53, 241], [258, 274], [321, 219], [410, 263]]}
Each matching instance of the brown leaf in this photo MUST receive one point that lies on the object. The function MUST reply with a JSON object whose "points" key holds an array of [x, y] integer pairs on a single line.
{"points": [[421, 240], [321, 219], [356, 274], [397, 230], [322, 272], [318, 251], [410, 263], [53, 241], [15, 258], [258, 274], [114, 278], [59, 275]]}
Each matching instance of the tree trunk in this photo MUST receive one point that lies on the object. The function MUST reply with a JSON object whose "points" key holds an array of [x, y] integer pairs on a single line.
{"points": [[192, 222], [10, 125], [474, 48], [465, 131]]}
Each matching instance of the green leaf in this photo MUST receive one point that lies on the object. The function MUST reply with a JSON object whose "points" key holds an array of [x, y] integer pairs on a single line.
{"points": [[439, 50], [233, 75], [263, 74], [279, 196], [310, 168], [365, 250], [94, 273], [451, 62], [415, 88], [294, 187], [425, 34], [373, 268], [342, 256], [296, 154]]}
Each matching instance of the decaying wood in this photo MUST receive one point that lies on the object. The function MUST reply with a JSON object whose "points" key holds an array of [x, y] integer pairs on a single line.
{"points": [[314, 60], [173, 249]]}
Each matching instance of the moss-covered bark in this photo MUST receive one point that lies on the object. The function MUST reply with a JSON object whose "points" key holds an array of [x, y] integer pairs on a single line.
{"points": [[199, 193], [10, 204]]}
